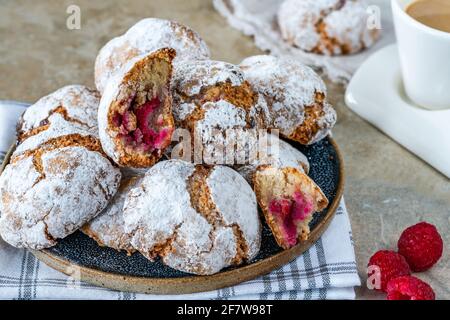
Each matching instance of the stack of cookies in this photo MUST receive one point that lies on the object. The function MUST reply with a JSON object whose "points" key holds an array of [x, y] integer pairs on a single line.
{"points": [[166, 158]]}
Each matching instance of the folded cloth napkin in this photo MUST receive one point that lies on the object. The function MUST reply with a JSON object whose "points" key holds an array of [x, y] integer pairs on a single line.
{"points": [[326, 271], [257, 18]]}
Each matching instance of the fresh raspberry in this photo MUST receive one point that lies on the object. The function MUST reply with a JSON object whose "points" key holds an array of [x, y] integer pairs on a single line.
{"points": [[421, 245], [390, 264], [409, 288]]}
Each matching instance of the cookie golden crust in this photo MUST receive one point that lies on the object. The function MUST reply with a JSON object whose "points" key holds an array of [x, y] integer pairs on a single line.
{"points": [[211, 99], [135, 113], [295, 98], [144, 37], [328, 27], [107, 229], [288, 199], [198, 219]]}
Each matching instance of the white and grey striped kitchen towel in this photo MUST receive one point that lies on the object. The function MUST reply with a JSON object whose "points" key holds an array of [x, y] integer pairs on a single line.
{"points": [[326, 271]]}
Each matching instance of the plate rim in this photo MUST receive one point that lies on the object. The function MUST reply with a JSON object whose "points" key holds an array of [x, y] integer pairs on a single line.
{"points": [[192, 284]]}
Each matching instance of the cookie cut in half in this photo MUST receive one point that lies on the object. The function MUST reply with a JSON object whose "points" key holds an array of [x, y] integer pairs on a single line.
{"points": [[135, 114], [295, 96], [198, 219], [144, 37], [59, 177], [328, 27], [107, 229], [288, 199]]}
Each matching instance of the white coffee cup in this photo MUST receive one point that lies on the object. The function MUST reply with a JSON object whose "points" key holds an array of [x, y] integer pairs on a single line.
{"points": [[425, 59]]}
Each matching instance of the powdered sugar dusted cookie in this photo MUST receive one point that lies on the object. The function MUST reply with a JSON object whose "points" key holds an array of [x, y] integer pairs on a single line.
{"points": [[197, 219], [46, 196], [330, 27], [135, 113], [295, 96], [59, 177], [214, 102], [146, 36], [276, 153], [288, 199], [107, 229]]}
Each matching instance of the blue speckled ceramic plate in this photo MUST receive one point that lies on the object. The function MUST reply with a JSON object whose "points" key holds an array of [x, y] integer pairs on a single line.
{"points": [[110, 268]]}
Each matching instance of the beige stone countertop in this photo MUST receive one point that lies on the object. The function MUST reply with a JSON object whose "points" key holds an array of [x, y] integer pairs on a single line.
{"points": [[387, 188]]}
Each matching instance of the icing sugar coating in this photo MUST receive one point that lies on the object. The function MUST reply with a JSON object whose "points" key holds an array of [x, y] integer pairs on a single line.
{"points": [[158, 205], [218, 118], [214, 101], [67, 111], [146, 36], [222, 114], [330, 27], [236, 201], [290, 88], [190, 77], [58, 127], [183, 111], [40, 207], [78, 103], [289, 82], [108, 227], [165, 219], [278, 154], [325, 123]]}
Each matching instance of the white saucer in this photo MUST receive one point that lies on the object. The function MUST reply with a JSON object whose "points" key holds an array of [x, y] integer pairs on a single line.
{"points": [[376, 94]]}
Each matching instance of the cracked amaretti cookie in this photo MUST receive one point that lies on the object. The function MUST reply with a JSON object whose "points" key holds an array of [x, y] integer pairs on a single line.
{"points": [[288, 199], [329, 27], [295, 97], [135, 114], [214, 102], [108, 228], [198, 219], [146, 36], [58, 178], [276, 153]]}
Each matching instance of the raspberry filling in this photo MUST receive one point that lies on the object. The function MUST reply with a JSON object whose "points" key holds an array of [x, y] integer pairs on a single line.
{"points": [[142, 128], [289, 212]]}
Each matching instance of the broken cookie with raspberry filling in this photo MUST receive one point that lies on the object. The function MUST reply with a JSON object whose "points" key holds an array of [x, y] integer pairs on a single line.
{"points": [[288, 199], [135, 113]]}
